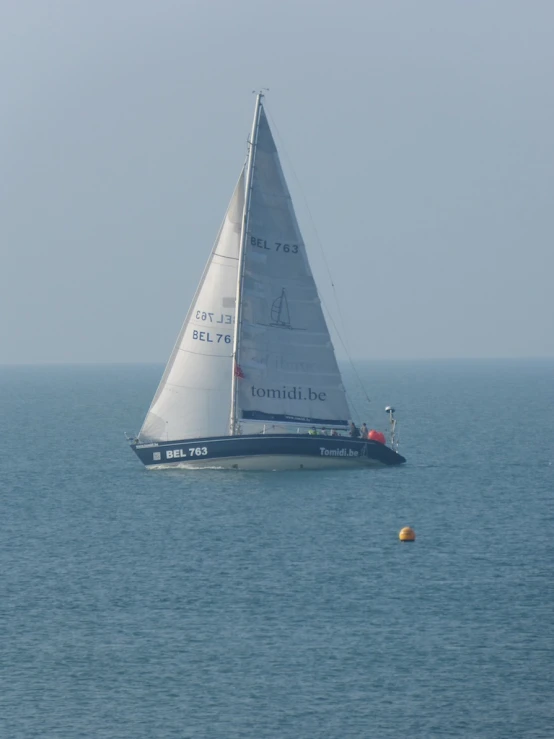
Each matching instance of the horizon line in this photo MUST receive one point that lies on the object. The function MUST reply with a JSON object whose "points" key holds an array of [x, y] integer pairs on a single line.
{"points": [[100, 363]]}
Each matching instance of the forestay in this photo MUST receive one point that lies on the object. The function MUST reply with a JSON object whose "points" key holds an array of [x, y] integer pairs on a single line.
{"points": [[289, 372], [193, 398]]}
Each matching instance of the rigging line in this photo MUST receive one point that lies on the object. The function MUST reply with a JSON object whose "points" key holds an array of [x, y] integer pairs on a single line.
{"points": [[353, 405], [320, 244]]}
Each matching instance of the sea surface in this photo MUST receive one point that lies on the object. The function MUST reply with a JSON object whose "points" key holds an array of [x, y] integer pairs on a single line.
{"points": [[138, 604]]}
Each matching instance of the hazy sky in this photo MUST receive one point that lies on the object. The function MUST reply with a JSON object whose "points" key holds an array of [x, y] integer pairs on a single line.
{"points": [[421, 133]]}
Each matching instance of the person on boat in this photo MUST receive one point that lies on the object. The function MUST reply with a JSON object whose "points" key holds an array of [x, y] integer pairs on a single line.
{"points": [[354, 430], [324, 431], [364, 430], [313, 431], [334, 432]]}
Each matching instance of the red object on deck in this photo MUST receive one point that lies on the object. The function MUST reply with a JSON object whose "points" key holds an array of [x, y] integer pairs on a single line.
{"points": [[377, 436]]}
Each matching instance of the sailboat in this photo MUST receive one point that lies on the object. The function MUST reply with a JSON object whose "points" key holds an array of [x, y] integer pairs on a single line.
{"points": [[252, 381]]}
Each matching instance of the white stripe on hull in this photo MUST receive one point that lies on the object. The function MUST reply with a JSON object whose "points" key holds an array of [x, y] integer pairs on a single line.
{"points": [[271, 463]]}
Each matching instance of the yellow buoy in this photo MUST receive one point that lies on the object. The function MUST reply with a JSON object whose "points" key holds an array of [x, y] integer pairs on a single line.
{"points": [[407, 534]]}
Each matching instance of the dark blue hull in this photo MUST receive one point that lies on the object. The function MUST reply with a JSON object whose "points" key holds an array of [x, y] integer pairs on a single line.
{"points": [[267, 452]]}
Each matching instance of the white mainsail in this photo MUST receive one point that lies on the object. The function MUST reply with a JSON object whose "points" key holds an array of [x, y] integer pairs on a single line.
{"points": [[194, 396], [287, 365]]}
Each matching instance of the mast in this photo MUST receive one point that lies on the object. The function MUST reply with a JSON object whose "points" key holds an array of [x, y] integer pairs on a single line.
{"points": [[242, 248]]}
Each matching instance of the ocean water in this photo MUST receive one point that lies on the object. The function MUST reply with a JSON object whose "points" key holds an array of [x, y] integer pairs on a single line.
{"points": [[215, 604]]}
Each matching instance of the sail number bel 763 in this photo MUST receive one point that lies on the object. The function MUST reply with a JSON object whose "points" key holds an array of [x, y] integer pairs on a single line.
{"points": [[277, 245], [202, 315], [211, 338]]}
